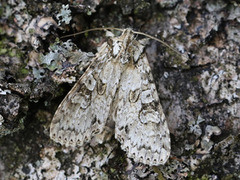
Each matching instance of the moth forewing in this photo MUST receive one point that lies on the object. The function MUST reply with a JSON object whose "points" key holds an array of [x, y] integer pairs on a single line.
{"points": [[117, 86], [140, 122], [85, 109]]}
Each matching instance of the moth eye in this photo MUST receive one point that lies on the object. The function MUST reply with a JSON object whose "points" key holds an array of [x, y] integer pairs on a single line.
{"points": [[101, 87], [134, 95]]}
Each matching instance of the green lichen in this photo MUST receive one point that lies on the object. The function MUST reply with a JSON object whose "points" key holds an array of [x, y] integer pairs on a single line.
{"points": [[204, 177], [175, 60], [6, 50], [24, 71], [3, 51], [195, 79], [15, 57], [160, 17], [3, 47], [141, 7], [158, 171], [31, 31], [89, 12], [12, 53]]}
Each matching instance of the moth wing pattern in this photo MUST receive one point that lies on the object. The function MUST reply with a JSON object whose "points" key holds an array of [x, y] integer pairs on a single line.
{"points": [[84, 111], [118, 86], [140, 123]]}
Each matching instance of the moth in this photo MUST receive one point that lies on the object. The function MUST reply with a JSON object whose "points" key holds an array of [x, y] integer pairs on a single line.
{"points": [[118, 88]]}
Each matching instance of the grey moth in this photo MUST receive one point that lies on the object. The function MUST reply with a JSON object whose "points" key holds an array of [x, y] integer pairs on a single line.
{"points": [[117, 88]]}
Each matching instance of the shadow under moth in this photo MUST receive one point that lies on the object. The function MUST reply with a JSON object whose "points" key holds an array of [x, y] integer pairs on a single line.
{"points": [[117, 88]]}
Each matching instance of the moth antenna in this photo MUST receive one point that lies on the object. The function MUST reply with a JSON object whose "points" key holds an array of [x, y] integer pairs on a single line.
{"points": [[162, 42], [93, 29], [135, 32]]}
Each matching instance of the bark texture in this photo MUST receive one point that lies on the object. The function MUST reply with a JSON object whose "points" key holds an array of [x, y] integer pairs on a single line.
{"points": [[199, 94]]}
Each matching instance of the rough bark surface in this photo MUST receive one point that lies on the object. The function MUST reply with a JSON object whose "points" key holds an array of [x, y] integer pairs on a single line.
{"points": [[199, 95]]}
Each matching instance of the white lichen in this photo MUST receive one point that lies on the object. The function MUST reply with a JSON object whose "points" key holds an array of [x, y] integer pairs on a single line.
{"points": [[64, 16], [194, 126], [221, 84]]}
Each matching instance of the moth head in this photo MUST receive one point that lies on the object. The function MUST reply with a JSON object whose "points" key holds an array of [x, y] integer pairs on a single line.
{"points": [[127, 34], [126, 38]]}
